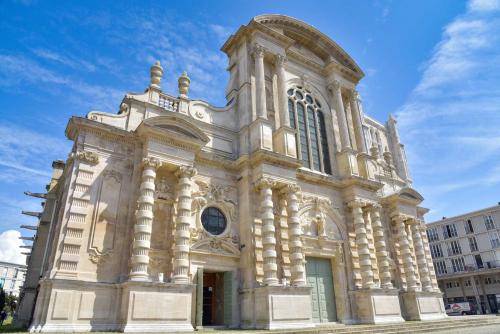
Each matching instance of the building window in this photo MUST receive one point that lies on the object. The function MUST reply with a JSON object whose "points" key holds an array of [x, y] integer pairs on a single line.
{"points": [[495, 239], [436, 250], [458, 264], [309, 121], [440, 267], [479, 261], [468, 283], [488, 281], [468, 227], [454, 248], [473, 244], [213, 220], [488, 222], [432, 234], [449, 231]]}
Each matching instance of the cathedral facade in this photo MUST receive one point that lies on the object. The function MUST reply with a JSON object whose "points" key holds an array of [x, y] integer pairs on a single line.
{"points": [[286, 208]]}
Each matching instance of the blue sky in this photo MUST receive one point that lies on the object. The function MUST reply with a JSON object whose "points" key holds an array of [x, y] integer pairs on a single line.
{"points": [[432, 63]]}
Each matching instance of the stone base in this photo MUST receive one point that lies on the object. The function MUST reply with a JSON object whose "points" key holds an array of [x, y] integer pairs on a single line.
{"points": [[156, 307], [284, 142], [77, 306], [277, 307], [420, 305], [261, 135], [377, 306], [348, 163]]}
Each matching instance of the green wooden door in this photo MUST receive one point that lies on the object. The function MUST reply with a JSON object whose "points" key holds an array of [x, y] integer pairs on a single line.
{"points": [[319, 277], [199, 297], [228, 298]]}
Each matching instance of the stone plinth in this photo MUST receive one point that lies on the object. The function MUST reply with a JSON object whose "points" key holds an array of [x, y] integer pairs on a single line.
{"points": [[421, 305], [377, 306], [277, 307], [156, 307], [261, 135]]}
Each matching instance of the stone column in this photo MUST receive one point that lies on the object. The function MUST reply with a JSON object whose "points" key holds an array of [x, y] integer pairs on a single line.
{"points": [[260, 82], [381, 249], [423, 268], [411, 279], [268, 232], [183, 224], [144, 220], [334, 87], [365, 262], [282, 95], [295, 232], [358, 124]]}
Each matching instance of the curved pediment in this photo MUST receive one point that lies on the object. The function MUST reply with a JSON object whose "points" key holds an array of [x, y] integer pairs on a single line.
{"points": [[411, 194], [310, 38], [178, 126]]}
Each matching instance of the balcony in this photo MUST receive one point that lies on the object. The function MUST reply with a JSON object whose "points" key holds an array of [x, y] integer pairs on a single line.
{"points": [[471, 268]]}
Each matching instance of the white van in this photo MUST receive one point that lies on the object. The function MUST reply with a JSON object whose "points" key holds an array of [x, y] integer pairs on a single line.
{"points": [[460, 308]]}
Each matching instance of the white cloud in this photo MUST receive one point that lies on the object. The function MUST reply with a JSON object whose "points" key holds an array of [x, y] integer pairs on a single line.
{"points": [[65, 60], [450, 122], [10, 250]]}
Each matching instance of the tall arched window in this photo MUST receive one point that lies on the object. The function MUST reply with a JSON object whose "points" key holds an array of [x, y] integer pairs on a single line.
{"points": [[308, 119]]}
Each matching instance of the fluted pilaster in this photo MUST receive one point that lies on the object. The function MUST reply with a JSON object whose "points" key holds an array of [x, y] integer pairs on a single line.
{"points": [[296, 257], [183, 223], [341, 117], [144, 220], [365, 262], [260, 82], [357, 122], [282, 96], [264, 186], [381, 248], [423, 268], [411, 279]]}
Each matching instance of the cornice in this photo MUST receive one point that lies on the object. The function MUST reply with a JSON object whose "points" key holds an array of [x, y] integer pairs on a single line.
{"points": [[77, 124]]}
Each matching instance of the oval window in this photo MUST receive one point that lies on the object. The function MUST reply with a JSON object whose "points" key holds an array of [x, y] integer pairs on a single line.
{"points": [[213, 220]]}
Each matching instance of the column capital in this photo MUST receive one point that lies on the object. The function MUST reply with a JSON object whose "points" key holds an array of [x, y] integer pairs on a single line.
{"points": [[334, 86], [264, 182], [258, 51], [151, 162], [353, 95], [357, 203], [290, 188], [280, 59], [186, 171]]}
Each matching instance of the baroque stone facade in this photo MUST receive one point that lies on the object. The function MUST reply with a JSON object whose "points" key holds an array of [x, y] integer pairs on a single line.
{"points": [[287, 207]]}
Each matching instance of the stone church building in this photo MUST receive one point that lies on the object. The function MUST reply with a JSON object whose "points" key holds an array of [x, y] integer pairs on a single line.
{"points": [[286, 208]]}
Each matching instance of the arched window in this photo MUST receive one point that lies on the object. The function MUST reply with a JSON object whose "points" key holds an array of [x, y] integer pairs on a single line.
{"points": [[308, 119]]}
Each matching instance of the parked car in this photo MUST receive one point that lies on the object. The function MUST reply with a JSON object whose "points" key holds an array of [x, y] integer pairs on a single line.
{"points": [[460, 308]]}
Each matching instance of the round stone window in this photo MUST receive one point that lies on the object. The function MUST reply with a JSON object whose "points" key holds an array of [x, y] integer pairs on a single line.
{"points": [[213, 220]]}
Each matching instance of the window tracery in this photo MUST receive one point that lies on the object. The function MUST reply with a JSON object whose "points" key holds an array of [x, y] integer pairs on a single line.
{"points": [[308, 119]]}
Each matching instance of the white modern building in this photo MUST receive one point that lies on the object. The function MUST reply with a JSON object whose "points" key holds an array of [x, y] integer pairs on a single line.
{"points": [[466, 253], [12, 277]]}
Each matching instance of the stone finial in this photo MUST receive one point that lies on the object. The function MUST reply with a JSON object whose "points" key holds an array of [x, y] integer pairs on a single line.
{"points": [[374, 151], [156, 75], [184, 82]]}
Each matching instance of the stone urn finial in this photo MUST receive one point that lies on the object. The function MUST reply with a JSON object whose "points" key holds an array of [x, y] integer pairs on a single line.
{"points": [[156, 75], [388, 157], [184, 82], [374, 151]]}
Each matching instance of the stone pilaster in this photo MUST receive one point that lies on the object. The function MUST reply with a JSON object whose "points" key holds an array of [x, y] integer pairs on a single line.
{"points": [[381, 249], [260, 83], [282, 96], [334, 87], [423, 268], [183, 223], [264, 186], [365, 262], [295, 232], [357, 122], [144, 220], [411, 279]]}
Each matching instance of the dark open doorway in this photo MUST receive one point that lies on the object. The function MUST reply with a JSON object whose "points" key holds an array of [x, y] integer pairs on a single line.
{"points": [[214, 301]]}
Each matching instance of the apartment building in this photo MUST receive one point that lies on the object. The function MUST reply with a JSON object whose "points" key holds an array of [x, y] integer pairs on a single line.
{"points": [[466, 253], [12, 277]]}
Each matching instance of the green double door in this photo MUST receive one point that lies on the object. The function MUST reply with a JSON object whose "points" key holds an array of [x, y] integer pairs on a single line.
{"points": [[319, 277]]}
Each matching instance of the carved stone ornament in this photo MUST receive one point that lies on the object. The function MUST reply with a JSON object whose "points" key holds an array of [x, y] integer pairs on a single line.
{"points": [[163, 190], [89, 157], [151, 162], [258, 50], [113, 174], [97, 257], [124, 109], [264, 182], [186, 171]]}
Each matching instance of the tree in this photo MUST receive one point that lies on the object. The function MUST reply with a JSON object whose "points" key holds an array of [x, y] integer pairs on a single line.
{"points": [[2, 299]]}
